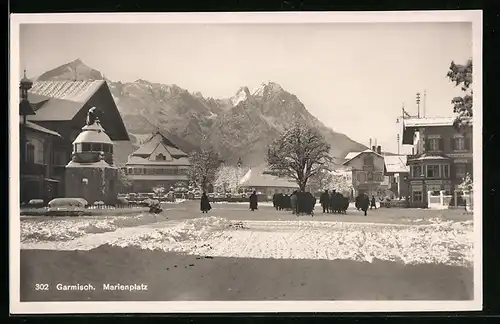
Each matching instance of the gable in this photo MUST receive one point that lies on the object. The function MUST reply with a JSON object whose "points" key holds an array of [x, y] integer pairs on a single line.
{"points": [[365, 159], [69, 101], [160, 149], [107, 112]]}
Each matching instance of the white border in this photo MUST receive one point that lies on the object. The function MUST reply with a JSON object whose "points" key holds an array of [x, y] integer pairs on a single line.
{"points": [[17, 307]]}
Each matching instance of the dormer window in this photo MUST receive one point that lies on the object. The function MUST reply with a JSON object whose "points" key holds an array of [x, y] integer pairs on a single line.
{"points": [[160, 157]]}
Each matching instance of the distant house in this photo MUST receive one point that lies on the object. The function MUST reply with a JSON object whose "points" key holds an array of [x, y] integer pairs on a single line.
{"points": [[441, 156], [261, 179], [397, 171], [390, 178], [368, 174], [60, 112], [157, 162]]}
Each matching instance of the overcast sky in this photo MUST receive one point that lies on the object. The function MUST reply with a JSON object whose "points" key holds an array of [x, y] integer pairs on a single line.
{"points": [[353, 77]]}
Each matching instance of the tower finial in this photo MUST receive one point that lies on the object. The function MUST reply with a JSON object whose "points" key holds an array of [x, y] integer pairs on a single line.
{"points": [[24, 72]]}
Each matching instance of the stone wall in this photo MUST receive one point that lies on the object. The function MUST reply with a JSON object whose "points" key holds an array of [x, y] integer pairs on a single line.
{"points": [[101, 184]]}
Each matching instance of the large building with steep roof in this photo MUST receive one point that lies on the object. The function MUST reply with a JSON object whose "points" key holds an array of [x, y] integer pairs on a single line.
{"points": [[441, 156], [60, 111], [260, 179], [157, 162]]}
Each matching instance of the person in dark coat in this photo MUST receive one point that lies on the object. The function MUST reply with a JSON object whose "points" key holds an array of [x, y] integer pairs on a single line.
{"points": [[324, 200], [357, 202], [373, 203], [276, 202], [205, 203], [253, 201], [364, 202]]}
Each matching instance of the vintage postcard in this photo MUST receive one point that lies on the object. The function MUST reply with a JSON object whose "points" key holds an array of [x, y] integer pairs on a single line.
{"points": [[246, 162]]}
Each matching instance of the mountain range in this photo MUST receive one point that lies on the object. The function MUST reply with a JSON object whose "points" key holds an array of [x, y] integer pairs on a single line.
{"points": [[240, 126]]}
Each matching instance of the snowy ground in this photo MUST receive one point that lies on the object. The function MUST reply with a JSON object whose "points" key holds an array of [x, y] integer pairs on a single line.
{"points": [[436, 241]]}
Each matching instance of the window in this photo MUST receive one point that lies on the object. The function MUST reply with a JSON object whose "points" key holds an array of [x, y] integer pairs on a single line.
{"points": [[96, 147], [30, 153], [78, 147], [368, 160], [433, 144], [416, 171], [460, 170], [459, 144], [446, 171], [160, 157], [417, 196], [85, 147], [432, 171]]}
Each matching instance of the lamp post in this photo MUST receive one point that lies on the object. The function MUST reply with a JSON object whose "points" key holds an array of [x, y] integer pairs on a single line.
{"points": [[25, 109]]}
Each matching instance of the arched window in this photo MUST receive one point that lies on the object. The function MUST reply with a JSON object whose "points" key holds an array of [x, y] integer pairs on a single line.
{"points": [[160, 157]]}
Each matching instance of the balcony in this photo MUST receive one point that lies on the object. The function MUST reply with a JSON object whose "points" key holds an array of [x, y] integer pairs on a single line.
{"points": [[31, 168]]}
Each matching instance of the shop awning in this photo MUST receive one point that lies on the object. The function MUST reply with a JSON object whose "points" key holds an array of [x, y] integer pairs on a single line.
{"points": [[51, 180]]}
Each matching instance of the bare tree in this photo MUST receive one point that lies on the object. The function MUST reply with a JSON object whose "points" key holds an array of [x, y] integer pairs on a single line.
{"points": [[204, 165], [300, 153]]}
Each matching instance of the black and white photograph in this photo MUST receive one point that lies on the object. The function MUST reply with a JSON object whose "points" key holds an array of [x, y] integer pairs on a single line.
{"points": [[245, 162]]}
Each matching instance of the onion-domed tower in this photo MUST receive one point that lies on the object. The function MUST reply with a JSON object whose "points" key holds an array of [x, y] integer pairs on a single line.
{"points": [[91, 174]]}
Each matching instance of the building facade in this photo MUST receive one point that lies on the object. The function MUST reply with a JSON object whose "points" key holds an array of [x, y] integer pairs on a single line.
{"points": [[157, 162], [368, 172], [441, 156], [389, 177], [397, 171]]}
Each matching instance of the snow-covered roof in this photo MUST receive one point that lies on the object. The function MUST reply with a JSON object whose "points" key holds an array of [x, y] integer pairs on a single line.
{"points": [[79, 91], [41, 129], [427, 156], [352, 155], [256, 177], [429, 121], [137, 160], [98, 164], [93, 134], [396, 164]]}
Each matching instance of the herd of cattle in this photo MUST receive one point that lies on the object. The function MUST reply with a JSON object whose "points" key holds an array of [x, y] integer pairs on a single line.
{"points": [[303, 203]]}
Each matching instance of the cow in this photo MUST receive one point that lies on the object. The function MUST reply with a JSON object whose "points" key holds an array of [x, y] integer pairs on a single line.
{"points": [[305, 203]]}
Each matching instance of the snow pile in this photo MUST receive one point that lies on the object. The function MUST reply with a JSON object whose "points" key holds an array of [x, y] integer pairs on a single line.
{"points": [[189, 233], [444, 243], [55, 229]]}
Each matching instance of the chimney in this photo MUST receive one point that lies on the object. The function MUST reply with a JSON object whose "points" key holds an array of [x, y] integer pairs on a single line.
{"points": [[373, 148], [379, 149], [370, 142]]}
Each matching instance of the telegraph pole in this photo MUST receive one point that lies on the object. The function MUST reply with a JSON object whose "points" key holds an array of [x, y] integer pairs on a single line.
{"points": [[397, 138], [418, 104]]}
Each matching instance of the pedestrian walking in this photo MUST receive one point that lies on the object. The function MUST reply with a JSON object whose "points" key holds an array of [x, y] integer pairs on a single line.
{"points": [[205, 203], [373, 203], [253, 201]]}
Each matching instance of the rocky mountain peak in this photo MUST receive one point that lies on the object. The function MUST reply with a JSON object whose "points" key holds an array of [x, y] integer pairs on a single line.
{"points": [[267, 89], [242, 94], [74, 70]]}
